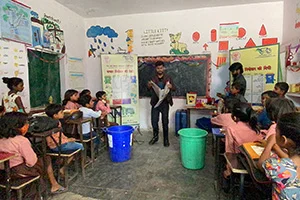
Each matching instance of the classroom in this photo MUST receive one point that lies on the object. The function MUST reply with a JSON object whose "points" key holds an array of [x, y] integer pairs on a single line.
{"points": [[76, 75]]}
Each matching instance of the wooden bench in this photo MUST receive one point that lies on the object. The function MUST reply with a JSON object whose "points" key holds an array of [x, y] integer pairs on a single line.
{"points": [[78, 123], [78, 155], [236, 167], [20, 183]]}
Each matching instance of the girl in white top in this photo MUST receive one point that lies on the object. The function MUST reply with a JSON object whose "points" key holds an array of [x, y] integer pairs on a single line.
{"points": [[11, 100], [87, 112]]}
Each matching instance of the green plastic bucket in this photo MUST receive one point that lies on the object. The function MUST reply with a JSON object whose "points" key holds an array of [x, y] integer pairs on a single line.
{"points": [[193, 147]]}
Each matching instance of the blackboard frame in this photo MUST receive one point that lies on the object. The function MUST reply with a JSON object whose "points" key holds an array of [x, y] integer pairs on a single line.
{"points": [[200, 60]]}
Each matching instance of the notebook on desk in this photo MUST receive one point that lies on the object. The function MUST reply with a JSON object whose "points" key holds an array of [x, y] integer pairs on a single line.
{"points": [[253, 150]]}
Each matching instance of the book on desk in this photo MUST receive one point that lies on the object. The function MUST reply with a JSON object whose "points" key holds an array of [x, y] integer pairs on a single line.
{"points": [[253, 150]]}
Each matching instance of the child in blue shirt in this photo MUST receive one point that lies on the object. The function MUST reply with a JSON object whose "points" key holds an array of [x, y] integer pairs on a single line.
{"points": [[262, 118]]}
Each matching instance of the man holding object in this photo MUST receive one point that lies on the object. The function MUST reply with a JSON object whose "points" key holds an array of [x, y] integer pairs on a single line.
{"points": [[161, 80]]}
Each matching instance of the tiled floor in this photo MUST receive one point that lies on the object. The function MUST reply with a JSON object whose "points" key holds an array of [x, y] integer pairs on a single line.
{"points": [[154, 173]]}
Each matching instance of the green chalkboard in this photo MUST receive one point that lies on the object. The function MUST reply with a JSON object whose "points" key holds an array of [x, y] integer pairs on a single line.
{"points": [[44, 78], [190, 73]]}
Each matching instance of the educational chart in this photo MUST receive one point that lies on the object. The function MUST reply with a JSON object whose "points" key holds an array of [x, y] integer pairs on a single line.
{"points": [[15, 21], [261, 66], [76, 73], [120, 81], [47, 33], [13, 63]]}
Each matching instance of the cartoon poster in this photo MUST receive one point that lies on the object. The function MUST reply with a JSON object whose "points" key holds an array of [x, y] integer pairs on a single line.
{"points": [[103, 40], [15, 21], [261, 65], [177, 47], [120, 82], [46, 33]]}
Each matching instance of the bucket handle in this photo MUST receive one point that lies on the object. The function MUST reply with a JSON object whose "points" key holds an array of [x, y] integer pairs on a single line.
{"points": [[104, 129]]}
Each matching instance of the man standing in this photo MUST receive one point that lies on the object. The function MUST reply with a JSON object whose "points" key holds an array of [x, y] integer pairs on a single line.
{"points": [[236, 70], [161, 80]]}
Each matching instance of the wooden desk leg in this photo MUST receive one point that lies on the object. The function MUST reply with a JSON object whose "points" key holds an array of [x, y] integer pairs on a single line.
{"points": [[121, 116], [7, 174], [242, 180], [115, 115], [232, 186], [217, 166], [189, 117], [44, 151]]}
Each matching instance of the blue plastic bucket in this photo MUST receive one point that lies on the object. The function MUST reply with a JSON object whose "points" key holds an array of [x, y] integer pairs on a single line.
{"points": [[119, 142]]}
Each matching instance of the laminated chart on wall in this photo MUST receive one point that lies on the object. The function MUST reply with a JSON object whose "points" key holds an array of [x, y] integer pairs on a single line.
{"points": [[13, 63], [15, 22], [120, 82], [255, 86], [76, 76], [261, 68]]}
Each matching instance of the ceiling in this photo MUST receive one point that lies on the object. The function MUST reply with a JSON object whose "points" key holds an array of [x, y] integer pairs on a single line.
{"points": [[102, 8]]}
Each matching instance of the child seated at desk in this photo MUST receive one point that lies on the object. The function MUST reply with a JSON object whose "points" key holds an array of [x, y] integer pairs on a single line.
{"points": [[234, 92], [55, 111], [70, 100], [245, 130], [283, 166], [225, 120], [87, 92], [13, 127], [281, 88], [87, 112], [276, 107], [264, 121], [102, 104]]}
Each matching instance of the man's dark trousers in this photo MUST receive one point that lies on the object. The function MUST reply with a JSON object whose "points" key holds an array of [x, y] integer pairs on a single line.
{"points": [[163, 108]]}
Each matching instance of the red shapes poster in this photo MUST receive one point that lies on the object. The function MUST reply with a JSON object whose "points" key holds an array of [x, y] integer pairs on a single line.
{"points": [[263, 31], [213, 35], [250, 43], [269, 41], [242, 32]]}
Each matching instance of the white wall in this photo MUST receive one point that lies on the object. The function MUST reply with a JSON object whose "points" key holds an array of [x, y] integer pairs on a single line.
{"points": [[251, 17], [73, 26], [290, 16], [291, 36]]}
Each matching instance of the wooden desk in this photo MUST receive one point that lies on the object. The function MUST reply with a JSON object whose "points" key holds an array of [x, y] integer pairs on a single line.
{"points": [[236, 167], [217, 136], [189, 108], [35, 110], [4, 158], [43, 136], [114, 112]]}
